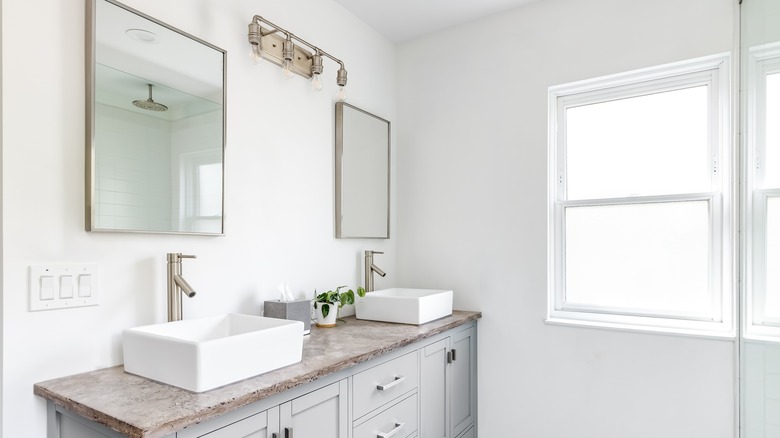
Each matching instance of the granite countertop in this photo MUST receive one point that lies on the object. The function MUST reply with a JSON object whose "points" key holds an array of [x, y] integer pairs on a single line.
{"points": [[142, 408]]}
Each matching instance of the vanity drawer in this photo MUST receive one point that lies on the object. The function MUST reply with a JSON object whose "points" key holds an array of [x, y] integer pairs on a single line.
{"points": [[381, 384], [397, 421]]}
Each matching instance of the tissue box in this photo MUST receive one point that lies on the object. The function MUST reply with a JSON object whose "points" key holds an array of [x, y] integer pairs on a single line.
{"points": [[295, 310]]}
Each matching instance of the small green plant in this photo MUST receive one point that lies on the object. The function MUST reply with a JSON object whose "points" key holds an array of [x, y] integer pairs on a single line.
{"points": [[333, 297]]}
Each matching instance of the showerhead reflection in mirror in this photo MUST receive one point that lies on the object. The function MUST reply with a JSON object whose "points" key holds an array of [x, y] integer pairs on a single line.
{"points": [[149, 104]]}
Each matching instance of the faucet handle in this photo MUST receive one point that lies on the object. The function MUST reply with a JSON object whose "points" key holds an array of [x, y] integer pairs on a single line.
{"points": [[175, 257], [371, 252]]}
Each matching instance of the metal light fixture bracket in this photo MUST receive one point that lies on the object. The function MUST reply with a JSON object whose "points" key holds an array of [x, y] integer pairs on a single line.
{"points": [[271, 48]]}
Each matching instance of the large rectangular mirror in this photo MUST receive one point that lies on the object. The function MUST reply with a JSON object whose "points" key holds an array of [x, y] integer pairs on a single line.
{"points": [[155, 125], [362, 174]]}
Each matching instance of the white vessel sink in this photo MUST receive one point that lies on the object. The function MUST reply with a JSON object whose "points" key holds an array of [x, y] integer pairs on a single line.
{"points": [[206, 353], [405, 306]]}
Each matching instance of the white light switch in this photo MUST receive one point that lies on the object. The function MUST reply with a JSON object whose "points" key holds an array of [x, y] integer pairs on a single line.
{"points": [[63, 286], [46, 287], [66, 286], [85, 285]]}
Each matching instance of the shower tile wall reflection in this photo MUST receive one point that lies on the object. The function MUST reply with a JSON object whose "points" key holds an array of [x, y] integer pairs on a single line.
{"points": [[132, 171]]}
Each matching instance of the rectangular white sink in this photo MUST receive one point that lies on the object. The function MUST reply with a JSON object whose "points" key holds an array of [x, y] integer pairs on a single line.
{"points": [[405, 306], [205, 353]]}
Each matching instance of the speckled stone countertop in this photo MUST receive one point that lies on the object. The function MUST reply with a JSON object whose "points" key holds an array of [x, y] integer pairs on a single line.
{"points": [[142, 408]]}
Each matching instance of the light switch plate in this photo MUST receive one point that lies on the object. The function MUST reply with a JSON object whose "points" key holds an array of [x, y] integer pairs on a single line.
{"points": [[72, 285]]}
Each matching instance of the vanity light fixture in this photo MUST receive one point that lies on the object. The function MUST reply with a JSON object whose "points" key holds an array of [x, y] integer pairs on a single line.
{"points": [[276, 44]]}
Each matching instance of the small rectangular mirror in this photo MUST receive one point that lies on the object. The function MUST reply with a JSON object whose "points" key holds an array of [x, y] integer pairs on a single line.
{"points": [[362, 174], [155, 125]]}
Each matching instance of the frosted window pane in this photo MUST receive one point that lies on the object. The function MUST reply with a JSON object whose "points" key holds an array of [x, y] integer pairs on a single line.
{"points": [[772, 168], [647, 257], [772, 306], [210, 189], [648, 145]]}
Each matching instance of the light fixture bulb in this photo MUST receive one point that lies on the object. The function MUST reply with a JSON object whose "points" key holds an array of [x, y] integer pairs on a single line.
{"points": [[316, 82], [255, 54], [342, 94], [286, 70], [288, 53]]}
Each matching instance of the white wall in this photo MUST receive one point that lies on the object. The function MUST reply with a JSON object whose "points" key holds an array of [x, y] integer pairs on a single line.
{"points": [[279, 184], [472, 148]]}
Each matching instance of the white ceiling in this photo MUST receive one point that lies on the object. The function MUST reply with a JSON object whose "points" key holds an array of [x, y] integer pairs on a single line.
{"points": [[404, 20]]}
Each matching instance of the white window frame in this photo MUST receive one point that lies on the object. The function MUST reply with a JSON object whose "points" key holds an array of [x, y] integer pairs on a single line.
{"points": [[190, 218], [712, 71], [762, 61]]}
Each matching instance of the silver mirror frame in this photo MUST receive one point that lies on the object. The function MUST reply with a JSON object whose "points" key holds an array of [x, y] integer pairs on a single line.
{"points": [[339, 149], [89, 171]]}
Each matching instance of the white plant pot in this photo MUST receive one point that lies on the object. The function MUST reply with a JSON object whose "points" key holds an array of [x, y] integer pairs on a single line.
{"points": [[326, 321]]}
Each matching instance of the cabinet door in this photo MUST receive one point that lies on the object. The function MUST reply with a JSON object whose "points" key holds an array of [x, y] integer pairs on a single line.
{"points": [[462, 383], [434, 401], [256, 426], [318, 414]]}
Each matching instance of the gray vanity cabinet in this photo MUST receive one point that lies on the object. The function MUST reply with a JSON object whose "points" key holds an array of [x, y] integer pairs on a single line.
{"points": [[424, 389], [321, 413], [448, 386]]}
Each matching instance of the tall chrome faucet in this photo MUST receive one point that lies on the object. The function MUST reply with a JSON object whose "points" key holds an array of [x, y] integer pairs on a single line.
{"points": [[371, 268], [176, 284]]}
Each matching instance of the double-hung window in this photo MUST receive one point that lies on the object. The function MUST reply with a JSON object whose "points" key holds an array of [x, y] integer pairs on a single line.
{"points": [[763, 192], [640, 199]]}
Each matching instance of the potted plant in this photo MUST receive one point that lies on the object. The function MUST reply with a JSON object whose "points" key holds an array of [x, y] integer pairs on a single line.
{"points": [[327, 304]]}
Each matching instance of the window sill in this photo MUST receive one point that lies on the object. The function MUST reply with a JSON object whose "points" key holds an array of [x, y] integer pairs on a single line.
{"points": [[723, 334]]}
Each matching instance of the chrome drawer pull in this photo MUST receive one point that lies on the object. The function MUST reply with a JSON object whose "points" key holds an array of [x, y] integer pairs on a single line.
{"points": [[387, 386], [398, 426]]}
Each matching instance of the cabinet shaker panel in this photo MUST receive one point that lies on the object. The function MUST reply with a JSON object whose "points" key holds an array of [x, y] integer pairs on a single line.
{"points": [[255, 426], [462, 386], [434, 406], [318, 414]]}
